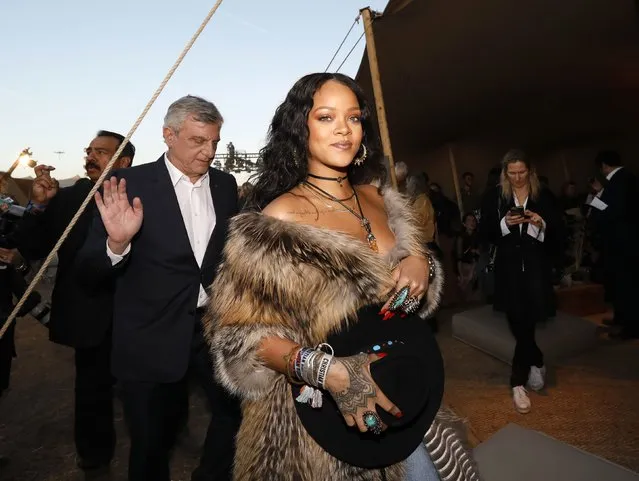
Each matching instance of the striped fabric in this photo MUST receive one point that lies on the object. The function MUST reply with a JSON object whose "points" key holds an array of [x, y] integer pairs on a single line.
{"points": [[451, 457]]}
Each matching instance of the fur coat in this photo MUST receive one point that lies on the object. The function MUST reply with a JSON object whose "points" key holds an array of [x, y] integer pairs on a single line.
{"points": [[297, 282]]}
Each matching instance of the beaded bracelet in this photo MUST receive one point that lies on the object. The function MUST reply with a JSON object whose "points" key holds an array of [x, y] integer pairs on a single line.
{"points": [[290, 365], [431, 266]]}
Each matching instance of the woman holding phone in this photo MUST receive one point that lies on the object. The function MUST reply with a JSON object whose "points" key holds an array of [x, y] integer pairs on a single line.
{"points": [[519, 218]]}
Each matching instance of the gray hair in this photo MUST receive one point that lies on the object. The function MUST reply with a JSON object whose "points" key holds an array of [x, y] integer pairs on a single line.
{"points": [[200, 109], [416, 185], [401, 171]]}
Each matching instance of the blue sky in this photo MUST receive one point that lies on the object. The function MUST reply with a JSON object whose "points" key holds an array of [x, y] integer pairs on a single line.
{"points": [[71, 68]]}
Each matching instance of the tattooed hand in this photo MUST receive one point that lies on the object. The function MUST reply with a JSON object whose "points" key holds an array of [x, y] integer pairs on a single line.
{"points": [[350, 383]]}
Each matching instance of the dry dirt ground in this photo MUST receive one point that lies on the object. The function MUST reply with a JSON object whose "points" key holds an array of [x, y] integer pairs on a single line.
{"points": [[592, 402]]}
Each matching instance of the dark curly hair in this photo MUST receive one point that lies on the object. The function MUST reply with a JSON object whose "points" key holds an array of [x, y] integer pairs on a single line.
{"points": [[283, 161]]}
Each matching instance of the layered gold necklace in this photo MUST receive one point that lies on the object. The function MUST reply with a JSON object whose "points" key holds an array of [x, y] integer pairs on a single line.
{"points": [[370, 237]]}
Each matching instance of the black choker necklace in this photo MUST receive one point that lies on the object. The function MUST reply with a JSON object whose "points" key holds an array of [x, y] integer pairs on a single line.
{"points": [[339, 180]]}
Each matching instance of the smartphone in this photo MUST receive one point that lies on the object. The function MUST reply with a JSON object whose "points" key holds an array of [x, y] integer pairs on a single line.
{"points": [[6, 200], [517, 211]]}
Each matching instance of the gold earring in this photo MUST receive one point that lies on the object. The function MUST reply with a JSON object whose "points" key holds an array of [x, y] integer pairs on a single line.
{"points": [[360, 160]]}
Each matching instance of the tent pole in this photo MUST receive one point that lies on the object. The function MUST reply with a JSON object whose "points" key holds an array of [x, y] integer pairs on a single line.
{"points": [[453, 166], [377, 89], [13, 167]]}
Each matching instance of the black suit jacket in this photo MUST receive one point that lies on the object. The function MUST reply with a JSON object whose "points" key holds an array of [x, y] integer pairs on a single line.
{"points": [[157, 284], [81, 314], [617, 225], [519, 248]]}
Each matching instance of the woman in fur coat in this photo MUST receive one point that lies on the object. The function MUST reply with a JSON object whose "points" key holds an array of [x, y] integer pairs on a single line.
{"points": [[317, 242]]}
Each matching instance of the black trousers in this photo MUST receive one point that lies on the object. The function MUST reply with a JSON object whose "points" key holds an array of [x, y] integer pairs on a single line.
{"points": [[524, 310], [93, 428], [527, 353], [626, 292], [155, 413], [7, 352]]}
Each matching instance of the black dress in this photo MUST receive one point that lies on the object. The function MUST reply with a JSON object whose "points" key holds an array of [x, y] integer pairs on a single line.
{"points": [[523, 273]]}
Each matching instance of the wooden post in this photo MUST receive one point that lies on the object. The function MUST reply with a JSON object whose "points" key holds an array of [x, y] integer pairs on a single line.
{"points": [[377, 90], [8, 173], [453, 166], [16, 162]]}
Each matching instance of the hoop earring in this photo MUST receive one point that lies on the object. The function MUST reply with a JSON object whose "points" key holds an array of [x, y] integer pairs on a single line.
{"points": [[360, 160]]}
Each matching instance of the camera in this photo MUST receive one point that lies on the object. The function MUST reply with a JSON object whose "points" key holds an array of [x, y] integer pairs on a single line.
{"points": [[10, 216]]}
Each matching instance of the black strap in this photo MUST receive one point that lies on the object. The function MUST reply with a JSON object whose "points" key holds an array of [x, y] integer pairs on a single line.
{"points": [[339, 180]]}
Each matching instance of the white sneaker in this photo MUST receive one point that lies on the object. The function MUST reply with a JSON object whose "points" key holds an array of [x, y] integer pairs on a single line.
{"points": [[521, 400], [537, 378]]}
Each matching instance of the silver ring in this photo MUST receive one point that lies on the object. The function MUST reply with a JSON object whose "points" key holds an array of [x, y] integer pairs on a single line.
{"points": [[411, 305]]}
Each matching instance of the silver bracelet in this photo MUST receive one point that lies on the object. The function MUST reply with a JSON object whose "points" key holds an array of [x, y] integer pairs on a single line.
{"points": [[312, 370], [322, 372], [313, 367]]}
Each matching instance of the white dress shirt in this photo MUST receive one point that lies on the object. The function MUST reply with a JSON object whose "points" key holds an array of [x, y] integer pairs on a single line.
{"points": [[198, 214], [596, 201], [532, 231]]}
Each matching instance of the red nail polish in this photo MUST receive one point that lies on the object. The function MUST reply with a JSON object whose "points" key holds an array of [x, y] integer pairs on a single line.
{"points": [[399, 415], [388, 315], [382, 355]]}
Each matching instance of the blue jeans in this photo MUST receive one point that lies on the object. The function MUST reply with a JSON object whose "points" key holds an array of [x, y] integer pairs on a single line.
{"points": [[419, 466]]}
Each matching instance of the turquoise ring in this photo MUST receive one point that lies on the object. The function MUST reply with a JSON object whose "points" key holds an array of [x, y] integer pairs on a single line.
{"points": [[372, 422], [399, 298]]}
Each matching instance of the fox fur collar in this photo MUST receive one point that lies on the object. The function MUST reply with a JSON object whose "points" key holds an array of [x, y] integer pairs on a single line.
{"points": [[299, 282]]}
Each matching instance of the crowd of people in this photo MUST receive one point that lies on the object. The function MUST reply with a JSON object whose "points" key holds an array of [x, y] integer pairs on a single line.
{"points": [[516, 241], [305, 306], [296, 316]]}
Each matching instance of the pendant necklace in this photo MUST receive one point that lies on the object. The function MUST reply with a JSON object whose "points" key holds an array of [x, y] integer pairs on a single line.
{"points": [[370, 237], [323, 199]]}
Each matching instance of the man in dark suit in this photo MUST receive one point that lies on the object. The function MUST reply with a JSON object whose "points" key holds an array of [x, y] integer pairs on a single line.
{"points": [[165, 257], [81, 314], [618, 228]]}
